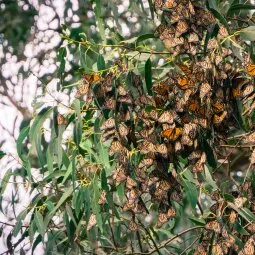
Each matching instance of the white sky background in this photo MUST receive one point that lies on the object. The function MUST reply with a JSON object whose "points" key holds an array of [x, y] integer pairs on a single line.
{"points": [[9, 116]]}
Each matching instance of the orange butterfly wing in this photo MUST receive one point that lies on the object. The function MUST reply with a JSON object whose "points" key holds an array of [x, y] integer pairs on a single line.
{"points": [[171, 133], [184, 83], [251, 69], [92, 77]]}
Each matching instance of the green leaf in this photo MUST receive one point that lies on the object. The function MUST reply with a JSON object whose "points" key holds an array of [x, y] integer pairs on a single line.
{"points": [[209, 179], [103, 158], [239, 7], [148, 76], [240, 229], [220, 18], [61, 58], [40, 223], [36, 242], [151, 8], [49, 205], [5, 181], [248, 33], [21, 152], [17, 228], [63, 198], [95, 205], [191, 192], [198, 222], [70, 213], [100, 63], [121, 191], [97, 10], [78, 122], [144, 37], [243, 212], [35, 133], [2, 154], [209, 153]]}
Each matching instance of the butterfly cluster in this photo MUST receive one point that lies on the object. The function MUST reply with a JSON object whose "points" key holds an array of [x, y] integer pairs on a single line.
{"points": [[150, 132]]}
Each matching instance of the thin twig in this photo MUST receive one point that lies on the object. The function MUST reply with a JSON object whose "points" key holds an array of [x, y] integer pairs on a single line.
{"points": [[12, 225], [169, 240], [149, 234], [112, 234], [247, 172], [139, 241], [187, 248], [237, 146]]}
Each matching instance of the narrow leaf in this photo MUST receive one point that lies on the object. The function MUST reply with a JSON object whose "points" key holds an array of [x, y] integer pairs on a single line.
{"points": [[148, 76]]}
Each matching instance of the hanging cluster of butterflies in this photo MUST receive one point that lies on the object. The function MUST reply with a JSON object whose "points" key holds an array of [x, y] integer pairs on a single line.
{"points": [[224, 239], [184, 24], [149, 133]]}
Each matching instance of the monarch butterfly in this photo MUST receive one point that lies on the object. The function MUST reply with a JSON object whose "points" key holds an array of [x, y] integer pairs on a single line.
{"points": [[125, 99], [109, 124], [147, 147], [193, 106], [123, 130], [170, 4], [218, 107], [61, 120], [172, 133], [92, 222], [200, 250], [133, 194], [171, 213], [184, 83], [146, 132], [160, 29], [130, 183], [129, 205], [204, 90], [133, 226], [164, 185], [213, 225], [115, 147], [186, 140], [119, 176], [102, 198], [108, 134], [182, 27], [162, 219], [162, 149], [217, 119], [216, 249], [251, 69], [161, 88], [191, 8], [146, 162], [239, 202], [83, 90], [212, 44], [176, 196], [122, 91], [218, 60], [140, 208], [185, 69], [110, 103], [198, 167], [158, 4], [153, 115], [91, 78], [248, 89], [166, 117]]}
